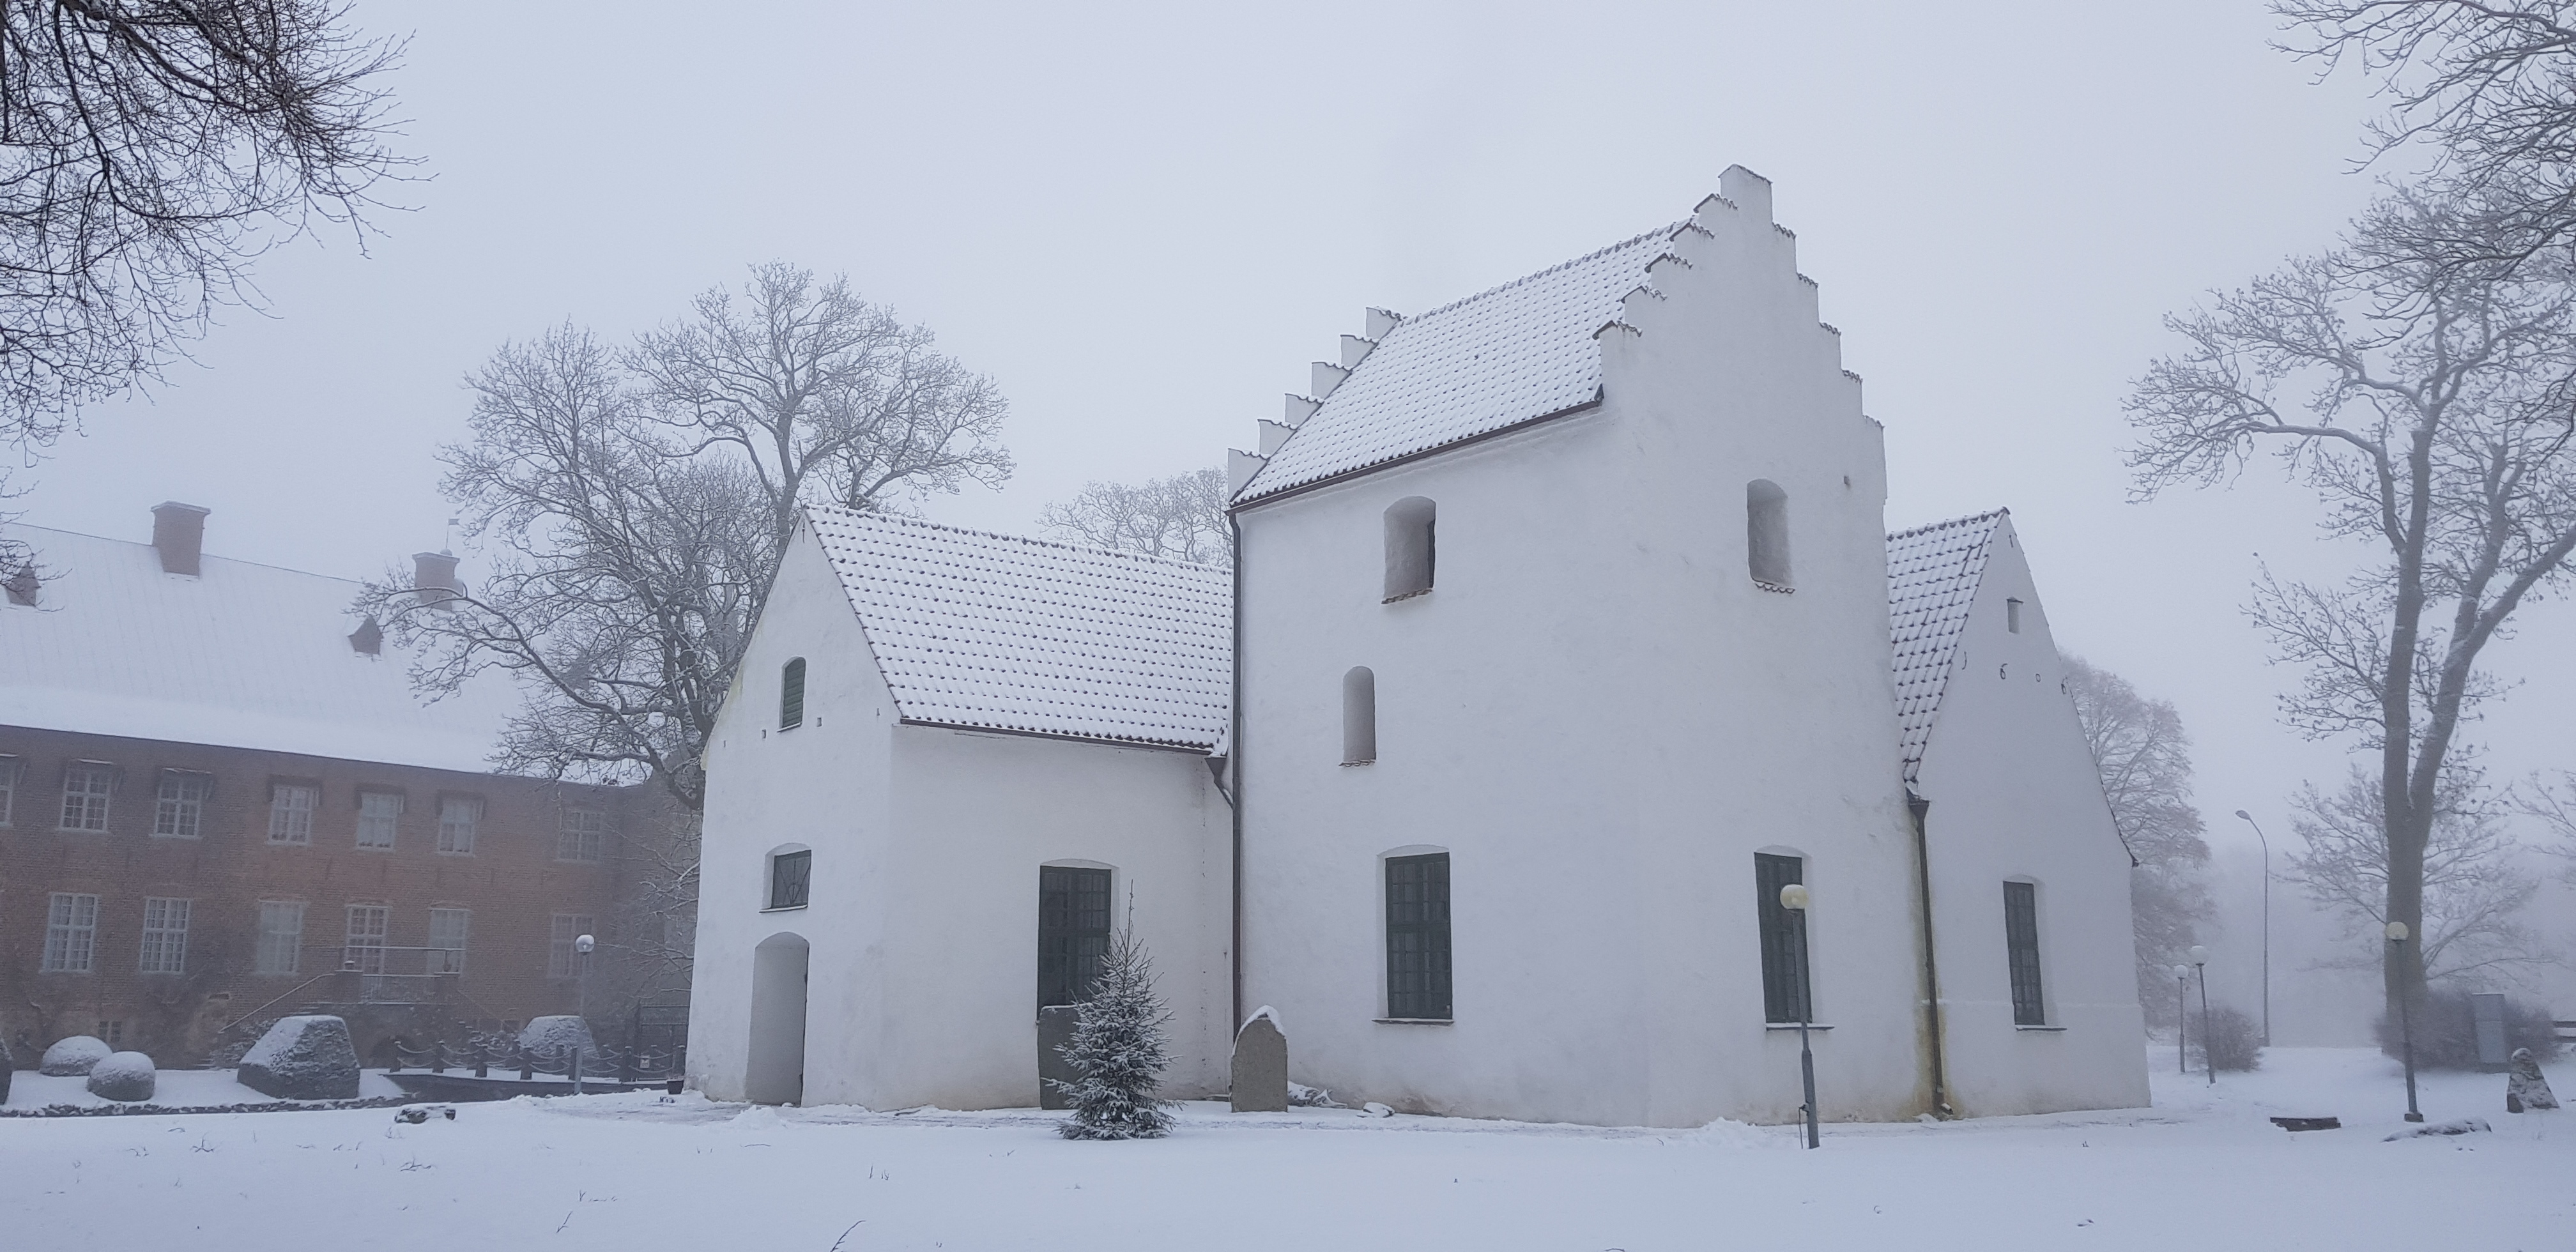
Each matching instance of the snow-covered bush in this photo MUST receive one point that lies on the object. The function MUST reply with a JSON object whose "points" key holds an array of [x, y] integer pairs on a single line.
{"points": [[2446, 1033], [75, 1055], [126, 1076], [306, 1057], [1118, 1050], [551, 1041], [2228, 1038]]}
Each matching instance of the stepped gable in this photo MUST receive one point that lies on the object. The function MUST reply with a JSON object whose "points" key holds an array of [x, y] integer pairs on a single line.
{"points": [[997, 632], [1932, 577], [1520, 351]]}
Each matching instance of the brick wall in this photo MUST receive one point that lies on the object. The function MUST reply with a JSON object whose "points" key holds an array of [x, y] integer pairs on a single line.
{"points": [[512, 884]]}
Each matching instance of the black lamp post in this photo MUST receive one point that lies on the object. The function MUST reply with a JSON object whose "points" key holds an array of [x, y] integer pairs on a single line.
{"points": [[2208, 1054], [2397, 934], [2182, 1018], [2267, 923], [1793, 897]]}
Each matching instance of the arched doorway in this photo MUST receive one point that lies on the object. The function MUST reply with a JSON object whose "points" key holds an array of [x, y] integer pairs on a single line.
{"points": [[776, 1072]]}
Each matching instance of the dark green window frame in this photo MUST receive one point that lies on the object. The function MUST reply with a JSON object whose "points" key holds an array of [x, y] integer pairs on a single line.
{"points": [[791, 694], [791, 878], [1417, 938], [1073, 931], [2021, 952], [1786, 996]]}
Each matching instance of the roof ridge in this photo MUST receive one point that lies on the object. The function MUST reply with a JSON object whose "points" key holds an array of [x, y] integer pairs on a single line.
{"points": [[210, 556], [852, 514], [1667, 231], [1928, 527]]}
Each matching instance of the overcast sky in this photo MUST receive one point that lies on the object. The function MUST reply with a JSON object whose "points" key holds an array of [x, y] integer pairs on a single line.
{"points": [[1143, 222]]}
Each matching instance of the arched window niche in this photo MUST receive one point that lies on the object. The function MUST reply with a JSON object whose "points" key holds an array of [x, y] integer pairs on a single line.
{"points": [[1411, 550], [1766, 534], [1359, 716], [791, 694]]}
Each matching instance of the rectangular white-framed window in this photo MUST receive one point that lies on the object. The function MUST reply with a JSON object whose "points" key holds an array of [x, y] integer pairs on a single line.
{"points": [[378, 814], [562, 958], [364, 949], [290, 812], [584, 836], [165, 936], [447, 929], [457, 818], [9, 766], [281, 937], [71, 933], [86, 788], [179, 809]]}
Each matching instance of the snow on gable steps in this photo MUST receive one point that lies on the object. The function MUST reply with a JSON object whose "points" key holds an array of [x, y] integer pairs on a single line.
{"points": [[996, 632], [1932, 577]]}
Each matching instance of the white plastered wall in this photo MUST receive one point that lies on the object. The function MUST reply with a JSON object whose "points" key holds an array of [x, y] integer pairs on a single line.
{"points": [[2012, 793], [1601, 718]]}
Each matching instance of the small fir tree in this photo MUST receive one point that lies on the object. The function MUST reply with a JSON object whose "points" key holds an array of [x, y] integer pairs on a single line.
{"points": [[1118, 1050]]}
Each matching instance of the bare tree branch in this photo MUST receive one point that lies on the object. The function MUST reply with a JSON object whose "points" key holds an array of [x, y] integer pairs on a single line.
{"points": [[1181, 517]]}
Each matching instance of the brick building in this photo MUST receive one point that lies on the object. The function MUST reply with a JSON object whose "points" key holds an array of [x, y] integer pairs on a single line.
{"points": [[220, 802]]}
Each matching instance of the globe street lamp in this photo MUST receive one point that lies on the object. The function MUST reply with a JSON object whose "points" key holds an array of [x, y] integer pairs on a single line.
{"points": [[581, 945], [2208, 1054], [2182, 1019], [2397, 934], [2267, 924], [1793, 897]]}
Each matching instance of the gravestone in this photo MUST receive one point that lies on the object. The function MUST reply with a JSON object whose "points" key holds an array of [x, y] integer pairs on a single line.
{"points": [[8, 1069], [1055, 1029], [127, 1077], [2525, 1087], [306, 1057], [74, 1056], [2486, 1021], [1260, 1066]]}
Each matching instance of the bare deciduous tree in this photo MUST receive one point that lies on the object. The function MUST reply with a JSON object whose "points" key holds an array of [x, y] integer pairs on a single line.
{"points": [[2145, 760], [2473, 893], [149, 150], [2426, 401], [1181, 517]]}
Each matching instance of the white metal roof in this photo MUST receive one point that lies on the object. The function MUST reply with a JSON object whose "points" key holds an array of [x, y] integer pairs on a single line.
{"points": [[1932, 576], [1519, 351], [242, 655], [1004, 633]]}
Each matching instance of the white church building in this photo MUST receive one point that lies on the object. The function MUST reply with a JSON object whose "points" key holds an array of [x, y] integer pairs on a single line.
{"points": [[1564, 630]]}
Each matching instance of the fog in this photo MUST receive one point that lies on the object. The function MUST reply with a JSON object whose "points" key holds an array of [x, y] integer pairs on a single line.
{"points": [[1143, 222]]}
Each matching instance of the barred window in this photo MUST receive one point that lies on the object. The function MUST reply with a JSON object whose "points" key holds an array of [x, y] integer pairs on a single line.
{"points": [[457, 818], [378, 814], [2021, 952], [791, 694], [281, 937], [369, 925], [290, 812], [562, 947], [180, 811], [1073, 931], [791, 878], [86, 787], [447, 929], [1417, 937], [584, 836], [165, 936], [1785, 993], [71, 933]]}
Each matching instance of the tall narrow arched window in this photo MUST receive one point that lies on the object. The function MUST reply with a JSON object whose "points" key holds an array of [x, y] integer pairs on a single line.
{"points": [[1766, 533], [791, 694], [1359, 716], [1409, 547]]}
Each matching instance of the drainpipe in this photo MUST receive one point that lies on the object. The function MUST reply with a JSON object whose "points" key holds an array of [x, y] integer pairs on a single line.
{"points": [[1234, 710], [1917, 807]]}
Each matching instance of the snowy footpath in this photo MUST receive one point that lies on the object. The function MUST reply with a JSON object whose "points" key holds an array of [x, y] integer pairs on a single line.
{"points": [[2201, 1170]]}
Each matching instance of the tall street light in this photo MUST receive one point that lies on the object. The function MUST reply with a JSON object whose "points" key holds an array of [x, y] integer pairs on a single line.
{"points": [[2397, 934], [2267, 924], [2208, 1054], [2182, 1019], [582, 946], [1793, 897]]}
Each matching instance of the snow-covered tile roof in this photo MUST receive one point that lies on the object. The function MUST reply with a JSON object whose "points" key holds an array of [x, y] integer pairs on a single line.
{"points": [[994, 631], [1932, 575], [241, 656], [1520, 351]]}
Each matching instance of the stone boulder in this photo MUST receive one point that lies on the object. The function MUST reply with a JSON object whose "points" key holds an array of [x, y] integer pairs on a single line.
{"points": [[551, 1040], [306, 1057], [126, 1076], [74, 1056], [2525, 1087], [1260, 1065]]}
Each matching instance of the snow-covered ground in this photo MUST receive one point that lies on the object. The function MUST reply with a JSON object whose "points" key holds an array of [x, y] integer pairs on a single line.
{"points": [[173, 1088], [2201, 1170]]}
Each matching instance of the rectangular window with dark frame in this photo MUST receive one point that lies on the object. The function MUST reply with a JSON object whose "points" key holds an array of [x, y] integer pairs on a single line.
{"points": [[1073, 931], [179, 809], [1785, 994], [791, 876], [1417, 937], [2021, 951]]}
